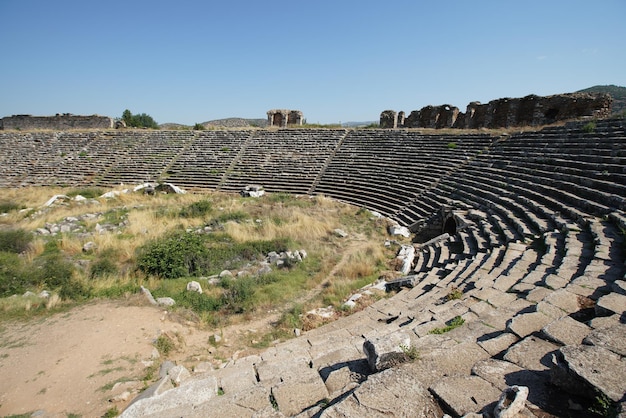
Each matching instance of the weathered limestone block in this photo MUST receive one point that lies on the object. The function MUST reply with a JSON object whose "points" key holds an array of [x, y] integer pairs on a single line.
{"points": [[386, 351], [611, 303], [298, 394], [465, 394], [502, 374], [511, 402], [525, 324], [192, 392], [584, 369], [532, 353], [499, 344], [394, 392], [612, 338], [566, 331]]}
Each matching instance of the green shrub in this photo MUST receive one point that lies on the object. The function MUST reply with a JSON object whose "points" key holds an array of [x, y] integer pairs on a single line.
{"points": [[53, 271], [89, 192], [199, 127], [15, 240], [196, 209], [238, 293], [101, 267], [452, 145], [236, 216], [176, 255], [12, 278], [6, 206], [589, 127], [198, 302], [164, 344]]}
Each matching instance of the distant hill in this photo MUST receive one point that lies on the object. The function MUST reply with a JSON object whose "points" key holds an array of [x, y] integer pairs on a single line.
{"points": [[617, 93]]}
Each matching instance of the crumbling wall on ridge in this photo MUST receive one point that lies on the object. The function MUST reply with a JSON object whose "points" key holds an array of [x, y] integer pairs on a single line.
{"points": [[59, 122], [506, 112]]}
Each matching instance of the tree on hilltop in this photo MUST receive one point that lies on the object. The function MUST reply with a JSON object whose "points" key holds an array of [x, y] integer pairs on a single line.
{"points": [[139, 121]]}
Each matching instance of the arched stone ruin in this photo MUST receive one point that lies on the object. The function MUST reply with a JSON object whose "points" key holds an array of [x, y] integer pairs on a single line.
{"points": [[284, 117]]}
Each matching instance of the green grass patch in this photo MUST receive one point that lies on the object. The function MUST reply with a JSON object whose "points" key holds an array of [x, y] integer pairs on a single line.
{"points": [[455, 322], [589, 127], [88, 192]]}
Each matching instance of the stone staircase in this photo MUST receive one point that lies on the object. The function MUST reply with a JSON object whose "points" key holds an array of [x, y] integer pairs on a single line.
{"points": [[535, 270]]}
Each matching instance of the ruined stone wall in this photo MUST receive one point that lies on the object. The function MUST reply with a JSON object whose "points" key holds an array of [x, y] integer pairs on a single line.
{"points": [[284, 117], [531, 110], [58, 122]]}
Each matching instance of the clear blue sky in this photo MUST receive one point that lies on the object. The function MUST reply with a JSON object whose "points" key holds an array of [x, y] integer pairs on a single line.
{"points": [[342, 60]]}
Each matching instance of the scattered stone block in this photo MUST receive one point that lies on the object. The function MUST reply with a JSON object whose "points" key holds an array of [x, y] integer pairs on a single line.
{"points": [[566, 331], [166, 301], [385, 394], [386, 351], [194, 286], [563, 299], [499, 344], [610, 304], [584, 369], [525, 324], [178, 374], [511, 402], [532, 353], [465, 394], [612, 338]]}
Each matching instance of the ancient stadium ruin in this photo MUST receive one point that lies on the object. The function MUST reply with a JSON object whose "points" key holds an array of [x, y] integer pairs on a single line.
{"points": [[528, 227]]}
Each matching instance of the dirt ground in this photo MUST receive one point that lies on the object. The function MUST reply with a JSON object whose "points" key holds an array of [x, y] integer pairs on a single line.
{"points": [[69, 363], [96, 357]]}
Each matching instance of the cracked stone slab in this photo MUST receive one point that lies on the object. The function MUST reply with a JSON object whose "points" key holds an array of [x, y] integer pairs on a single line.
{"points": [[465, 394], [295, 396], [503, 374], [525, 324], [566, 331], [499, 344], [612, 338], [563, 299], [532, 353], [611, 303], [385, 395], [191, 393], [582, 368]]}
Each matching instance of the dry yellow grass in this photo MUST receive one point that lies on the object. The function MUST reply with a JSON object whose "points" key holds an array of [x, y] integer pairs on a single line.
{"points": [[308, 222]]}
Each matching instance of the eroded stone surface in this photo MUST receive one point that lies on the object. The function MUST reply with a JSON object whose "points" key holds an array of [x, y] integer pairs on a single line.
{"points": [[385, 395], [465, 394], [566, 331], [612, 338], [582, 368]]}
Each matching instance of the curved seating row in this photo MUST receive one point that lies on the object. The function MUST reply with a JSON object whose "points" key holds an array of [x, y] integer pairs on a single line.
{"points": [[536, 266]]}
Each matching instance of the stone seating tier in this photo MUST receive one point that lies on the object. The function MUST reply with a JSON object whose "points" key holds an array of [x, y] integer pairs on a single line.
{"points": [[538, 260]]}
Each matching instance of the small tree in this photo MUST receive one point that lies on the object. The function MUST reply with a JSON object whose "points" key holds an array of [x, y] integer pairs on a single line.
{"points": [[139, 121], [198, 127]]}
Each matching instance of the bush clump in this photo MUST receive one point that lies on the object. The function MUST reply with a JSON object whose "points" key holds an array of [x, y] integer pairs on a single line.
{"points": [[184, 254], [176, 255], [196, 209], [7, 206], [15, 240]]}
